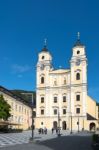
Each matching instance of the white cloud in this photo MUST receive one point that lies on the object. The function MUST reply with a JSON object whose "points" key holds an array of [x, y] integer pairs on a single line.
{"points": [[20, 68]]}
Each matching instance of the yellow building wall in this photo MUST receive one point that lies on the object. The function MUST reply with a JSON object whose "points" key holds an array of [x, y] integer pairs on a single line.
{"points": [[20, 113], [91, 107]]}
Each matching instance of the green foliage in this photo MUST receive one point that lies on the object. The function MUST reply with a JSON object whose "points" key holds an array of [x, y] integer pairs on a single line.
{"points": [[4, 109]]}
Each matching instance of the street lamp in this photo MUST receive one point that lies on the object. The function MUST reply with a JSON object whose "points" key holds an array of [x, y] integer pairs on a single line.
{"points": [[58, 123], [71, 123], [83, 124], [78, 123]]}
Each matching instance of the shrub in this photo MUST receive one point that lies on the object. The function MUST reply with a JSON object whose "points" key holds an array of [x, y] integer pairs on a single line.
{"points": [[5, 129], [95, 138]]}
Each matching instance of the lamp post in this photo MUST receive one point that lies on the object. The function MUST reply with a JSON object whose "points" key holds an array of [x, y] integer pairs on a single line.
{"points": [[83, 124], [71, 124], [58, 123], [78, 123]]}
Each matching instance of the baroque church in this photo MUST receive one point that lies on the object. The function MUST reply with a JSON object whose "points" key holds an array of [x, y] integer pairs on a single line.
{"points": [[62, 100]]}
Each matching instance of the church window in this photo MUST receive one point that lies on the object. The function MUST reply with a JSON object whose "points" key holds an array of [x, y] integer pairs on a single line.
{"points": [[77, 97], [78, 110], [42, 111], [41, 123], [55, 99], [64, 98], [42, 57], [64, 111], [55, 111], [42, 99], [64, 80], [55, 82], [78, 52], [78, 76], [42, 80]]}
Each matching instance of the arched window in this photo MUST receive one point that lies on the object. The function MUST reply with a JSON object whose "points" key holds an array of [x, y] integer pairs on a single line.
{"points": [[77, 97], [55, 99], [55, 111], [42, 99], [55, 82], [77, 110], [64, 80], [64, 98], [64, 111], [42, 80], [42, 111], [78, 76]]}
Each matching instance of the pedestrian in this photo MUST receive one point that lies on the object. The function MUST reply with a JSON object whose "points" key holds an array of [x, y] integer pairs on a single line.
{"points": [[56, 130], [45, 130], [52, 130], [39, 130]]}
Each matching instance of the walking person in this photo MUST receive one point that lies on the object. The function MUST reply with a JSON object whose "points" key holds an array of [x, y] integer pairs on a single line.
{"points": [[52, 130], [56, 130], [45, 130]]}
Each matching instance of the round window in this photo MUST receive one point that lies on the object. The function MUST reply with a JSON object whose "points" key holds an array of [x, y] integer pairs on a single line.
{"points": [[42, 57], [78, 52]]}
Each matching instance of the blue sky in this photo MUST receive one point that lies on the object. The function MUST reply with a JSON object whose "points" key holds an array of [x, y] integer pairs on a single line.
{"points": [[25, 23]]}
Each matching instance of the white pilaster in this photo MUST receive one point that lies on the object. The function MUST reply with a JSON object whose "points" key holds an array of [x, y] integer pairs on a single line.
{"points": [[60, 102], [84, 96], [68, 102], [72, 101], [84, 72]]}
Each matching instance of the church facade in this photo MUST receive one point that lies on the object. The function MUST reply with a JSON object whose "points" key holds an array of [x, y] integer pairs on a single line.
{"points": [[62, 100]]}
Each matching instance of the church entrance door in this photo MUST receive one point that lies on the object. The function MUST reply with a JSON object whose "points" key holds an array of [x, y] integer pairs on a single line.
{"points": [[55, 124], [92, 126], [64, 126]]}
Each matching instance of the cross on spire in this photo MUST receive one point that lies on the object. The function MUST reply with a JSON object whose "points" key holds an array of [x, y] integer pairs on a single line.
{"points": [[45, 45], [78, 35], [45, 42], [78, 42]]}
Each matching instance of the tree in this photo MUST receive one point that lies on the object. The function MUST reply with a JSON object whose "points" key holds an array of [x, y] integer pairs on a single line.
{"points": [[4, 109]]}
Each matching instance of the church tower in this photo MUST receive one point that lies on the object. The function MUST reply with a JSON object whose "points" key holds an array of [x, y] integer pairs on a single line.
{"points": [[44, 65], [78, 81]]}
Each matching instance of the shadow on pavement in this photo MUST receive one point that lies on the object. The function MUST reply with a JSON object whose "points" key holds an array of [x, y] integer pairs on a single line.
{"points": [[69, 143]]}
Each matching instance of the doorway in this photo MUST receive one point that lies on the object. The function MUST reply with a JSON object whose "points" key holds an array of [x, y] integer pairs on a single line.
{"points": [[64, 126]]}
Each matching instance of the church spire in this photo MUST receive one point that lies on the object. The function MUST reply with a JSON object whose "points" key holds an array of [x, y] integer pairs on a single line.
{"points": [[78, 42], [78, 35], [45, 46], [45, 42]]}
